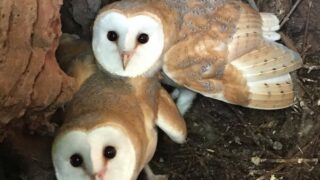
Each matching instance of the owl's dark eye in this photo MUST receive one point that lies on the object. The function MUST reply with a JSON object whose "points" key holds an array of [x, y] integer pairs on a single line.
{"points": [[109, 152], [143, 38], [112, 36], [76, 160]]}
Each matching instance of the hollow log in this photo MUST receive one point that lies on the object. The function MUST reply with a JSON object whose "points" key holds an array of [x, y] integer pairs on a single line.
{"points": [[32, 86]]}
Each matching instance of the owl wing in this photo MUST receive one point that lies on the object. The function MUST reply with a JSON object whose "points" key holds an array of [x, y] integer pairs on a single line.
{"points": [[169, 118], [236, 60]]}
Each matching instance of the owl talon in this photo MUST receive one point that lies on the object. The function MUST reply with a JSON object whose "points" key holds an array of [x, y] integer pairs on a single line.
{"points": [[158, 177], [185, 99], [152, 176], [175, 93]]}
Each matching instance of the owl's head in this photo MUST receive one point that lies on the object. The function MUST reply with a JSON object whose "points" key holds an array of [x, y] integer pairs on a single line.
{"points": [[102, 153], [128, 44]]}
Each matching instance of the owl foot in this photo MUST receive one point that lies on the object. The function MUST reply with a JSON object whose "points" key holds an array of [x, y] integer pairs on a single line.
{"points": [[184, 98], [152, 176], [158, 177]]}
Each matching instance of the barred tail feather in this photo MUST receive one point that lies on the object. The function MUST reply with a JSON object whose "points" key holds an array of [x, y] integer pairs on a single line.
{"points": [[265, 72]]}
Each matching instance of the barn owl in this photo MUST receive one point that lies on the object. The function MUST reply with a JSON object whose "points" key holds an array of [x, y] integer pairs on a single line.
{"points": [[109, 131], [222, 49]]}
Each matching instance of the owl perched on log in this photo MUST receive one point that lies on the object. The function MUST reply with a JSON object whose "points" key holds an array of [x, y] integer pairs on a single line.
{"points": [[222, 49]]}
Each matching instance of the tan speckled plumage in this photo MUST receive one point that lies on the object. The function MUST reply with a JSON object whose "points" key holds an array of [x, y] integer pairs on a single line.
{"points": [[134, 104], [223, 49], [234, 61]]}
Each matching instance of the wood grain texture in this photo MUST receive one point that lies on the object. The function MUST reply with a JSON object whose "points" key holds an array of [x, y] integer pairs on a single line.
{"points": [[31, 83]]}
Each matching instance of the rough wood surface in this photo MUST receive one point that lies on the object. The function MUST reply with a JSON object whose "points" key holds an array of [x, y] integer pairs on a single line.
{"points": [[32, 85]]}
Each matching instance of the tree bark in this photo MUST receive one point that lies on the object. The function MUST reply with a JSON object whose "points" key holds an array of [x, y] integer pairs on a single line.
{"points": [[32, 86]]}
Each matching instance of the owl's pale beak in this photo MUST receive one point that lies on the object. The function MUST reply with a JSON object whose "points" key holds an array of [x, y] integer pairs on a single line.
{"points": [[99, 175], [125, 57]]}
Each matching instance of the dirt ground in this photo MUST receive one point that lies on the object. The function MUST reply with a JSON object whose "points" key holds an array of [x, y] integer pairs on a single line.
{"points": [[227, 141], [231, 142]]}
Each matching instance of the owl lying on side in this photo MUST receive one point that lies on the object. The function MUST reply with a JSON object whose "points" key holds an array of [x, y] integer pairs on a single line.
{"points": [[109, 130], [222, 49]]}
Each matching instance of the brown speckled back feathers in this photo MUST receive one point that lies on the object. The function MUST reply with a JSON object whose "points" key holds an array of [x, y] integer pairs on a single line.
{"points": [[228, 52]]}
